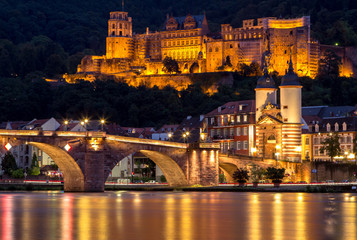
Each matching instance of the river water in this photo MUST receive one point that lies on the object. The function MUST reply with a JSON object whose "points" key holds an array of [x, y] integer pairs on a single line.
{"points": [[177, 215]]}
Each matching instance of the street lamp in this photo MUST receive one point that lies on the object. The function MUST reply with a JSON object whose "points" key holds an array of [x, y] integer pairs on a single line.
{"points": [[102, 122], [277, 158], [170, 136], [65, 125]]}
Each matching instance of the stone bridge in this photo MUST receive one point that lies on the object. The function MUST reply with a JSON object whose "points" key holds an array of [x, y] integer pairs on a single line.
{"points": [[229, 164], [92, 156]]}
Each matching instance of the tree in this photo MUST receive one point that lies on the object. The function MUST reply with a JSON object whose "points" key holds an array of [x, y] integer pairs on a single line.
{"points": [[8, 163], [329, 65], [35, 169], [275, 174], [170, 65], [241, 175], [257, 173], [331, 145]]}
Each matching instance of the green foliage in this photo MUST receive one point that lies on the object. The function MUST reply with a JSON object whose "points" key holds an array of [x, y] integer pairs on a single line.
{"points": [[253, 69], [329, 65], [331, 145], [19, 173], [170, 65], [222, 178], [163, 179], [275, 174], [241, 175], [257, 173], [8, 163]]}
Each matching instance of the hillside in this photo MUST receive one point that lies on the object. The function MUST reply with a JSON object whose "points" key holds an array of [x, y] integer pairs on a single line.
{"points": [[74, 28]]}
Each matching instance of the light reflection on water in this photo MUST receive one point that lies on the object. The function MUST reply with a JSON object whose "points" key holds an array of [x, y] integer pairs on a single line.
{"points": [[177, 215]]}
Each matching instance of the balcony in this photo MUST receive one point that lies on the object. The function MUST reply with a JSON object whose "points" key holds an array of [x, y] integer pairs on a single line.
{"points": [[218, 137]]}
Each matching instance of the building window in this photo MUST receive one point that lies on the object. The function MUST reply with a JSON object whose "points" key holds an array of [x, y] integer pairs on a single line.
{"points": [[245, 131], [336, 127], [316, 151], [225, 132], [316, 127], [344, 126], [348, 139], [238, 118], [328, 127], [307, 141], [239, 145], [212, 132], [231, 132], [285, 107], [238, 131], [231, 145], [245, 145], [285, 119], [245, 118]]}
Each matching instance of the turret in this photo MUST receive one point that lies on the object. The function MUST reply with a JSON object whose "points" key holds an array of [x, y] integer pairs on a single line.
{"points": [[265, 92], [290, 96]]}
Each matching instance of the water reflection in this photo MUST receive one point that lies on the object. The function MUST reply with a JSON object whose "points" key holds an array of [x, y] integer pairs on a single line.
{"points": [[177, 215]]}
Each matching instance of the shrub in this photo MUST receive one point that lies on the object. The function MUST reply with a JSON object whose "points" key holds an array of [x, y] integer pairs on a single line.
{"points": [[241, 175]]}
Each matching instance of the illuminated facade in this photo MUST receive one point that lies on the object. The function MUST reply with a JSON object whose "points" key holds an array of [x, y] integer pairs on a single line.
{"points": [[278, 127], [188, 40], [233, 126], [261, 127], [320, 122]]}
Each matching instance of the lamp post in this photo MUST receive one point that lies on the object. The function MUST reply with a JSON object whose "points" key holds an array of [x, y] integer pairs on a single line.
{"points": [[169, 136], [102, 122], [65, 125]]}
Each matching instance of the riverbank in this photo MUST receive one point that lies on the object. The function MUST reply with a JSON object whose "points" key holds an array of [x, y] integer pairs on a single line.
{"points": [[312, 188]]}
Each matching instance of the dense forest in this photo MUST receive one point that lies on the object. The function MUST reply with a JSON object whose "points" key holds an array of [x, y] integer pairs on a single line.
{"points": [[41, 38]]}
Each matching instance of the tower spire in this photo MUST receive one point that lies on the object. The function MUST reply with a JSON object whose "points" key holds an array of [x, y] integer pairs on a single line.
{"points": [[291, 68]]}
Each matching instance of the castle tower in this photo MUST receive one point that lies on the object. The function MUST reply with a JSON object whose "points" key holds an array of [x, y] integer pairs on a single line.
{"points": [[265, 92], [119, 40], [290, 104]]}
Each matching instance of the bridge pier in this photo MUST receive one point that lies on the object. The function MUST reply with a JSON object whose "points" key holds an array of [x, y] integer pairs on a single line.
{"points": [[94, 171], [203, 164]]}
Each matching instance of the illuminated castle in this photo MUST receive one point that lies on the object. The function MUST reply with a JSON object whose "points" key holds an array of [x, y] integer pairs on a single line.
{"points": [[188, 40]]}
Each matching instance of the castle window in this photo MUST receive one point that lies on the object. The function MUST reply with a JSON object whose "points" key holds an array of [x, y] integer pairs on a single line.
{"points": [[216, 49], [285, 51], [231, 46], [113, 25], [291, 33], [126, 26], [285, 107], [113, 33], [210, 50], [120, 33], [285, 119], [120, 25]]}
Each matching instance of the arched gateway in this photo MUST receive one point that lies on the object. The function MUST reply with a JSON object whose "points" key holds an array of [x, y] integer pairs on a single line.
{"points": [[92, 156]]}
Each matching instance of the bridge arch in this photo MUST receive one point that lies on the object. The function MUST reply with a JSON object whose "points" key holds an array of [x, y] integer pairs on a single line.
{"points": [[173, 173], [72, 174], [228, 169]]}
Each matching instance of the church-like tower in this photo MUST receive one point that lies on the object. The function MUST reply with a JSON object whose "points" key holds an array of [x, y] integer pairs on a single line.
{"points": [[265, 92], [119, 40], [290, 104]]}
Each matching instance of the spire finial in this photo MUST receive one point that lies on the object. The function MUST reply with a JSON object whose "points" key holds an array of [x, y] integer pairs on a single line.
{"points": [[291, 68]]}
